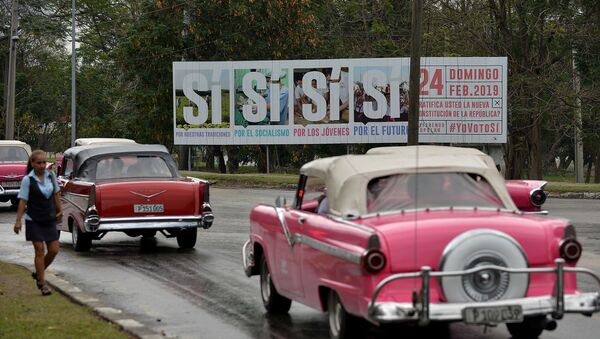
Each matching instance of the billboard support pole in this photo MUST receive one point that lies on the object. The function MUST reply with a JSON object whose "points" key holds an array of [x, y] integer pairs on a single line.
{"points": [[415, 73]]}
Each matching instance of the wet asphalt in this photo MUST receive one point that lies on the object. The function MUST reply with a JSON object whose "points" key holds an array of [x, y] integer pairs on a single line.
{"points": [[159, 290]]}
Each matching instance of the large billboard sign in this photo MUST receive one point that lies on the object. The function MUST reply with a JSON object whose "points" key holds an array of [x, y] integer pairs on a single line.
{"points": [[332, 101]]}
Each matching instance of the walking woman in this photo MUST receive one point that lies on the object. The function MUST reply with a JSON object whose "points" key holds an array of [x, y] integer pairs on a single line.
{"points": [[39, 197]]}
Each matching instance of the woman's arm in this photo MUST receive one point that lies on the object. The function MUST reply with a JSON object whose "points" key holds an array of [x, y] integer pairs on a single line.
{"points": [[20, 212]]}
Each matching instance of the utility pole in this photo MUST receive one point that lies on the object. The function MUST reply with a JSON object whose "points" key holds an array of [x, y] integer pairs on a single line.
{"points": [[12, 67], [578, 139], [415, 73], [73, 83]]}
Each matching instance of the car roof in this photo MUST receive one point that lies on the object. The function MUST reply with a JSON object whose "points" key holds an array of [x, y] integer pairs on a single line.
{"points": [[430, 150], [80, 154], [16, 143], [347, 177], [89, 141]]}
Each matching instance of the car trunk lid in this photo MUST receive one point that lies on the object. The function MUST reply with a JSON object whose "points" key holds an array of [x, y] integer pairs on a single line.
{"points": [[146, 197]]}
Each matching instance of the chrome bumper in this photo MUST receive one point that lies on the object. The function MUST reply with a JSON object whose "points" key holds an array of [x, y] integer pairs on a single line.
{"points": [[10, 192], [422, 311], [247, 258], [95, 224]]}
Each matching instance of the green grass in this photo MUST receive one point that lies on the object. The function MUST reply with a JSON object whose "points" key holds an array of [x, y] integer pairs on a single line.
{"points": [[247, 180], [561, 187], [25, 313]]}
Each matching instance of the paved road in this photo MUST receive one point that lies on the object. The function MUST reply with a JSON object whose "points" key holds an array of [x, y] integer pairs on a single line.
{"points": [[203, 293]]}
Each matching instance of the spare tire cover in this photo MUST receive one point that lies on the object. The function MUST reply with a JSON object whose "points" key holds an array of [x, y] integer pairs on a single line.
{"points": [[483, 247]]}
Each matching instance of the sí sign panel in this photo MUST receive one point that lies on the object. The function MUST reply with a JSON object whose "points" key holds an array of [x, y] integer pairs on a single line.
{"points": [[462, 100]]}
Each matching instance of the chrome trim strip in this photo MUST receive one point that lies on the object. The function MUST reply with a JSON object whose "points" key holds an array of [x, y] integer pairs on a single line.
{"points": [[9, 191], [330, 249], [457, 208], [556, 304], [147, 197], [536, 213], [281, 216], [353, 224]]}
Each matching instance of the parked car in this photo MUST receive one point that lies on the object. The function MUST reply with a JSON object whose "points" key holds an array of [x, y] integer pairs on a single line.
{"points": [[93, 141], [13, 164], [528, 195], [130, 188], [428, 239]]}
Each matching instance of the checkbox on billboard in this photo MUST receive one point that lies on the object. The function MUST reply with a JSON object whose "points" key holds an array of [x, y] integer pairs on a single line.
{"points": [[496, 102]]}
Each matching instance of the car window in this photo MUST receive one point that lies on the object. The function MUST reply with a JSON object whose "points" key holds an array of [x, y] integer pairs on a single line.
{"points": [[8, 153], [410, 191], [68, 170], [313, 189], [141, 166]]}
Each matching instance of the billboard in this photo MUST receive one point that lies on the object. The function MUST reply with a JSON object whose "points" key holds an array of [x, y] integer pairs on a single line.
{"points": [[332, 101]]}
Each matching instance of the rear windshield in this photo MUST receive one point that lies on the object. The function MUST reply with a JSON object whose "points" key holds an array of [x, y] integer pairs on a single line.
{"points": [[141, 166], [430, 190], [8, 153]]}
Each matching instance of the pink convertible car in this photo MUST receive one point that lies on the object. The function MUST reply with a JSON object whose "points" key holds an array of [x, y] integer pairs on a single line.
{"points": [[391, 237]]}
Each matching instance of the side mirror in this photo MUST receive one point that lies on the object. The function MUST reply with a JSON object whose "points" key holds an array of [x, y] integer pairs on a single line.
{"points": [[280, 201]]}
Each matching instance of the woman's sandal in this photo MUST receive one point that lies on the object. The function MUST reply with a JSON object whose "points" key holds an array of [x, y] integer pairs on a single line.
{"points": [[37, 282], [45, 290]]}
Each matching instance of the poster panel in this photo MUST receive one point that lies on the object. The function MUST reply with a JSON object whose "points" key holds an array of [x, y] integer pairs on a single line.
{"points": [[329, 101]]}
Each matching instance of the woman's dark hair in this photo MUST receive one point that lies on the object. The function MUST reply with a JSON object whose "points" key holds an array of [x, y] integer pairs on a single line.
{"points": [[33, 155]]}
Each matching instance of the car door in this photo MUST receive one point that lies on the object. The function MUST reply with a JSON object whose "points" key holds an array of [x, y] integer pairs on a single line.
{"points": [[288, 253]]}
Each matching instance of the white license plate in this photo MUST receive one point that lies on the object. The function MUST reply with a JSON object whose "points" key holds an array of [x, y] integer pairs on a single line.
{"points": [[148, 208], [493, 314], [10, 184]]}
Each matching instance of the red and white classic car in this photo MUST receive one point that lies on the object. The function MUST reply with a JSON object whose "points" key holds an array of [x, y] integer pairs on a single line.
{"points": [[13, 164], [131, 188], [433, 238]]}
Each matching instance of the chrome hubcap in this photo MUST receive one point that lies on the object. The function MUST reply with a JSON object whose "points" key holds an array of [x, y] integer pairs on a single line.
{"points": [[335, 318], [486, 285]]}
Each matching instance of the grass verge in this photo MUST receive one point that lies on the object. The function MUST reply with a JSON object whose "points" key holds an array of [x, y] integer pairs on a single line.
{"points": [[25, 313], [261, 180], [289, 181]]}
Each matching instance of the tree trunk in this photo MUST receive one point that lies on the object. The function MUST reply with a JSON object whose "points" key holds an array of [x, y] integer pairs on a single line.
{"points": [[597, 167], [535, 149], [233, 159], [222, 165], [183, 157], [210, 158]]}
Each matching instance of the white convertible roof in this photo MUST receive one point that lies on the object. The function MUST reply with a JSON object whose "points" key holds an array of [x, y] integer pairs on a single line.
{"points": [[16, 143], [346, 177], [91, 141]]}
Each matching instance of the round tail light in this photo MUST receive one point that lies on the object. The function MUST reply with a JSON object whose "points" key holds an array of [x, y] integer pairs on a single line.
{"points": [[538, 197], [373, 261], [570, 249]]}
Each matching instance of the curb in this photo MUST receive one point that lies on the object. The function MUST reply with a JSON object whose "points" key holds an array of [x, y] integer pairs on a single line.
{"points": [[574, 195], [113, 315]]}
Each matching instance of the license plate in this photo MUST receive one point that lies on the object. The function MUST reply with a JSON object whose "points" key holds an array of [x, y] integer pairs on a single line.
{"points": [[493, 314], [10, 184], [148, 208]]}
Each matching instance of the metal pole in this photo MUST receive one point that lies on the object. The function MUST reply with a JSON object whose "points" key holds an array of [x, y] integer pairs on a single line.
{"points": [[73, 68], [12, 67], [415, 73], [578, 138]]}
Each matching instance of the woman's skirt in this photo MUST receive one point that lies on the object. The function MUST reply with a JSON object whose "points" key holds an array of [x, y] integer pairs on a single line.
{"points": [[35, 231]]}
